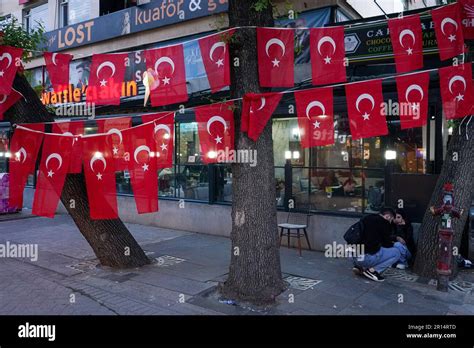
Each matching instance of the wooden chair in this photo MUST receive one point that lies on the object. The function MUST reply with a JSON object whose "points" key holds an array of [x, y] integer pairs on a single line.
{"points": [[293, 230]]}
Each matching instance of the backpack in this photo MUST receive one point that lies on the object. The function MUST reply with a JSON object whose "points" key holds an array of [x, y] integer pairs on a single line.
{"points": [[354, 234]]}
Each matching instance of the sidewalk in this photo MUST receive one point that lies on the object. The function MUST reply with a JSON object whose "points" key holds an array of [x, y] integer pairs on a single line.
{"points": [[65, 279]]}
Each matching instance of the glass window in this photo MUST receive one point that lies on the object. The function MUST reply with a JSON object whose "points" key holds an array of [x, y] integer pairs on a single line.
{"points": [[193, 182], [286, 142], [34, 17], [223, 184], [63, 13], [188, 144]]}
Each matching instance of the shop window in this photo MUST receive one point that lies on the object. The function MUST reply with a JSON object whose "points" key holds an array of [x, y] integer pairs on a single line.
{"points": [[109, 6]]}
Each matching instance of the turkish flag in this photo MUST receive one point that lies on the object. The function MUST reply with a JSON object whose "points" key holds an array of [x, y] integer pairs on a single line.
{"points": [[106, 78], [215, 56], [413, 99], [467, 15], [164, 135], [139, 143], [52, 174], [276, 57], [152, 117], [407, 43], [75, 129], [99, 172], [327, 55], [216, 131], [364, 107], [449, 30], [24, 148], [10, 60], [57, 65], [315, 111], [260, 111], [114, 127], [166, 66], [7, 101], [456, 90]]}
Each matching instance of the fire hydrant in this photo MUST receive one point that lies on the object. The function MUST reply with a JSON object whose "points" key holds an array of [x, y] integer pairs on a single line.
{"points": [[446, 233]]}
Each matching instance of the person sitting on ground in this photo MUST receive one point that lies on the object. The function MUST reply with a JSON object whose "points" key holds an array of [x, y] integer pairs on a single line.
{"points": [[379, 253], [404, 238]]}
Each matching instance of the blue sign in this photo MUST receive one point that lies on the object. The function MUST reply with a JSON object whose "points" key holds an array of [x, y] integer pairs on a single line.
{"points": [[132, 20]]}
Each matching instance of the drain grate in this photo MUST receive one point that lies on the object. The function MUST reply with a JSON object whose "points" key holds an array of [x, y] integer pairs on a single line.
{"points": [[300, 283], [168, 260], [461, 286], [84, 266], [395, 273]]}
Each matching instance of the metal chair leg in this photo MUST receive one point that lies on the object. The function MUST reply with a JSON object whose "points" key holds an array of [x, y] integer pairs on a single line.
{"points": [[288, 231], [307, 239], [299, 241]]}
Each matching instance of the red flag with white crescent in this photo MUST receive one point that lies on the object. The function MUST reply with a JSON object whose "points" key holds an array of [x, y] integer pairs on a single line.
{"points": [[52, 174], [413, 99], [164, 134], [114, 127], [7, 101], [467, 14], [99, 172], [449, 31], [74, 129], [407, 42], [456, 90], [215, 56], [139, 143], [10, 61], [168, 75], [262, 106], [327, 55], [315, 116], [106, 77], [364, 107], [276, 57], [24, 148], [57, 65], [216, 131]]}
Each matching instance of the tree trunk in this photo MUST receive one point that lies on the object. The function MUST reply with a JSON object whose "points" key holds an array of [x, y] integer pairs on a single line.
{"points": [[255, 271], [110, 240], [457, 169]]}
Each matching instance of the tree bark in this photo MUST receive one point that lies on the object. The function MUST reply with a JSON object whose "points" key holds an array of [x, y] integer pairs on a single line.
{"points": [[255, 271], [460, 172], [110, 240]]}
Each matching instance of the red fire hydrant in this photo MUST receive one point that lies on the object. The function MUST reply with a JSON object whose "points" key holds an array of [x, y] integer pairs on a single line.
{"points": [[446, 233]]}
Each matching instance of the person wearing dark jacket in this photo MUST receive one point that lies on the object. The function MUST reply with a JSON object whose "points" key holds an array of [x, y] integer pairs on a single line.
{"points": [[379, 252], [404, 238]]}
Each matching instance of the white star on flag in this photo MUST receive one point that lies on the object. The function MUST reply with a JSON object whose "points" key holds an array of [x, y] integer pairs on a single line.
{"points": [[410, 51], [115, 150], [50, 174], [220, 62], [366, 116], [460, 97], [327, 60], [218, 140], [164, 147], [1, 73], [276, 62], [103, 83], [145, 167], [166, 80], [452, 38], [316, 124], [99, 176]]}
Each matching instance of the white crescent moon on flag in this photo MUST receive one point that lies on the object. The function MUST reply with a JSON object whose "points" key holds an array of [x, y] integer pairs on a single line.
{"points": [[140, 149], [414, 87], [4, 98], [264, 102], [365, 96], [56, 156], [106, 64], [214, 47], [314, 104], [275, 42], [164, 127], [216, 119], [53, 58], [164, 60], [406, 32], [22, 151], [446, 21], [326, 39], [7, 56], [454, 79], [97, 157], [116, 132]]}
